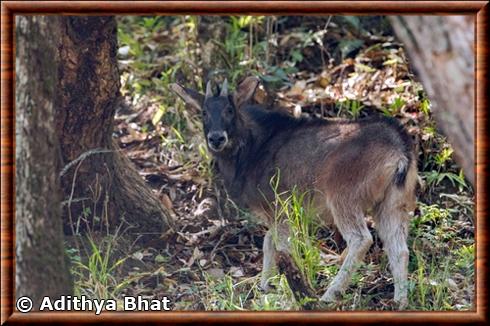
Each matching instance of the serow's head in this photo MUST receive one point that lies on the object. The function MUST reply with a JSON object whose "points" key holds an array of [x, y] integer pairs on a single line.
{"points": [[219, 111]]}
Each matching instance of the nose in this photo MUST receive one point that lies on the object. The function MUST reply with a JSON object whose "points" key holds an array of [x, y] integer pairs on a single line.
{"points": [[216, 139]]}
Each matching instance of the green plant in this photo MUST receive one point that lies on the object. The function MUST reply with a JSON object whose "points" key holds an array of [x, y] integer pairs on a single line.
{"points": [[429, 289], [296, 209], [95, 276], [437, 255], [205, 165], [443, 156], [276, 76], [436, 176], [227, 294], [428, 213], [238, 57], [425, 107], [465, 258], [394, 108], [353, 107], [222, 295]]}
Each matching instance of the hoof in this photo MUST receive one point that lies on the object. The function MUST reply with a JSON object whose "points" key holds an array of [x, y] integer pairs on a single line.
{"points": [[401, 303], [331, 295], [264, 286]]}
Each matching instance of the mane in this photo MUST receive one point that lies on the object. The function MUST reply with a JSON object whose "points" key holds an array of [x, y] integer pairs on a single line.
{"points": [[265, 125], [273, 121]]}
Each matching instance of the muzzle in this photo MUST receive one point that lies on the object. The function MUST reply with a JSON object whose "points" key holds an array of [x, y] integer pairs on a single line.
{"points": [[217, 140]]}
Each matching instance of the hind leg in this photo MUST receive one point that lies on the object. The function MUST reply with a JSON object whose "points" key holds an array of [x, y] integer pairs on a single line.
{"points": [[269, 260], [354, 230], [276, 240], [392, 226]]}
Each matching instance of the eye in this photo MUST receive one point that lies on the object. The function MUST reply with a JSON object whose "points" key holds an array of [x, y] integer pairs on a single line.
{"points": [[230, 110], [204, 113]]}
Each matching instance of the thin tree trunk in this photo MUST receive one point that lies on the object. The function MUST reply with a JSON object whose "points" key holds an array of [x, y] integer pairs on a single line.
{"points": [[100, 185], [441, 49], [41, 268]]}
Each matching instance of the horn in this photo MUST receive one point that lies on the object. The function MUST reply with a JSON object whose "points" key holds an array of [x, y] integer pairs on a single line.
{"points": [[209, 90], [224, 88]]}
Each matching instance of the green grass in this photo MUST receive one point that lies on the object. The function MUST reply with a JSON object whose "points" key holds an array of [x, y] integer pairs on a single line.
{"points": [[229, 294], [394, 108], [95, 274], [296, 209], [96, 262], [438, 256], [352, 107], [440, 164]]}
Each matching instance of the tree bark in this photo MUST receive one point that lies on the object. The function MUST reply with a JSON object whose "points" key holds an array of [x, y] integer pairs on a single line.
{"points": [[100, 185], [441, 49], [41, 269]]}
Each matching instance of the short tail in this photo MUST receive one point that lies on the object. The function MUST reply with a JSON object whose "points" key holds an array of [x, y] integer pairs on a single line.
{"points": [[401, 172]]}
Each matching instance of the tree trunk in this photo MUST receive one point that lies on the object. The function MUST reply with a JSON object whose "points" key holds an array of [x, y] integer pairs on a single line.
{"points": [[442, 53], [41, 268], [100, 185]]}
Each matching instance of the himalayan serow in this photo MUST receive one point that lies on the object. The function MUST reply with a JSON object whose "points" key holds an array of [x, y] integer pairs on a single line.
{"points": [[351, 167]]}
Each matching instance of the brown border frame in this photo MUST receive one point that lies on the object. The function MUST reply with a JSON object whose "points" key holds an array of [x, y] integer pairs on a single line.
{"points": [[10, 8]]}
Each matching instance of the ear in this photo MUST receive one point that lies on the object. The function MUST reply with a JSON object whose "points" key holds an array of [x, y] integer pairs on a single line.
{"points": [[191, 97], [245, 90]]}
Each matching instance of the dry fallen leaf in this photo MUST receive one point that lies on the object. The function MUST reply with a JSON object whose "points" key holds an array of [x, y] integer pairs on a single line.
{"points": [[236, 271], [216, 272], [196, 254], [167, 202]]}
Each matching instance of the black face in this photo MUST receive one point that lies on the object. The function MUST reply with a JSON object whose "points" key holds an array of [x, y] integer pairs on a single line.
{"points": [[219, 119]]}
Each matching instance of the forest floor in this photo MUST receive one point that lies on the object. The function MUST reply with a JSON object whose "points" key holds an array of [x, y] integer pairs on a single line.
{"points": [[326, 67]]}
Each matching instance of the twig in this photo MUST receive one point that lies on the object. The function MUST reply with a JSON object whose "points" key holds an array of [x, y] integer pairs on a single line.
{"points": [[82, 157], [322, 46], [268, 33], [78, 160]]}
